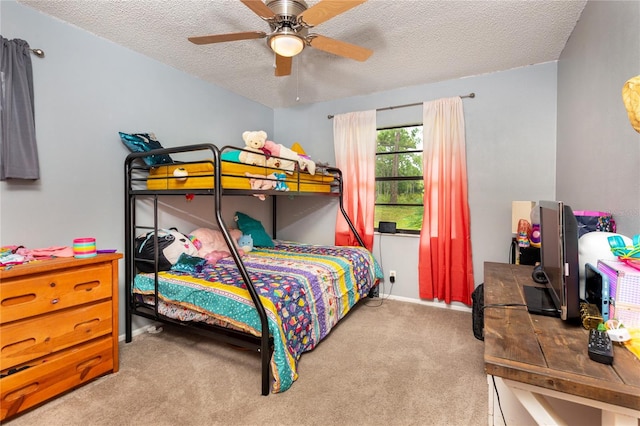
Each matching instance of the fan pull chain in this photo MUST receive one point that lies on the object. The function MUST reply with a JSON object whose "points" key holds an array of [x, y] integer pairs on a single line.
{"points": [[297, 81]]}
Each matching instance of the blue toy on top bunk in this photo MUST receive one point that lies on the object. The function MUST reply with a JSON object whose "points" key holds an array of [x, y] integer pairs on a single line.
{"points": [[281, 185]]}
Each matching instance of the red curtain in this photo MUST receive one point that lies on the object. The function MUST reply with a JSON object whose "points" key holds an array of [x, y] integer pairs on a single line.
{"points": [[445, 269], [354, 136]]}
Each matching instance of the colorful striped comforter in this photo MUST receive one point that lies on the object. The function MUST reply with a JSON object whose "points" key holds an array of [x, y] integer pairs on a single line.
{"points": [[305, 289]]}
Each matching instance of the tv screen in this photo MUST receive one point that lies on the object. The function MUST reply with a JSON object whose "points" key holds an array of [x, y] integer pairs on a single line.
{"points": [[559, 262]]}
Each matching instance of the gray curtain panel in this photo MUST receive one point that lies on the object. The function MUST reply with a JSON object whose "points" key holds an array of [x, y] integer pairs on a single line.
{"points": [[18, 149]]}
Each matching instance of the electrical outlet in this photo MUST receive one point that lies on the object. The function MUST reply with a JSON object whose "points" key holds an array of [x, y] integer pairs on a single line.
{"points": [[392, 274]]}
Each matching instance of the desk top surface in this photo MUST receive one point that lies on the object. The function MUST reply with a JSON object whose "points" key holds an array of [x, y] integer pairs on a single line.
{"points": [[546, 351]]}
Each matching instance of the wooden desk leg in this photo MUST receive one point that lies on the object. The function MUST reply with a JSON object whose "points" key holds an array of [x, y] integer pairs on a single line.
{"points": [[538, 407], [491, 395], [618, 419], [532, 398]]}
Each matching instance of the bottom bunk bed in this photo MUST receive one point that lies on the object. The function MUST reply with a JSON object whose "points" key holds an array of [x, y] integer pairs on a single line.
{"points": [[305, 290]]}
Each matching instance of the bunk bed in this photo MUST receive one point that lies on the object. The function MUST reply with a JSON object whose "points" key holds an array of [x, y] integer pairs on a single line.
{"points": [[297, 292]]}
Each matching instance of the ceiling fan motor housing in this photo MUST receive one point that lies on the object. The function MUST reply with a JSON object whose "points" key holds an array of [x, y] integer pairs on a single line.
{"points": [[287, 7], [286, 15], [285, 22]]}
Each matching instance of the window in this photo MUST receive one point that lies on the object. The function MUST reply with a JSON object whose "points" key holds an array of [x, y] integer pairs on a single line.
{"points": [[399, 178]]}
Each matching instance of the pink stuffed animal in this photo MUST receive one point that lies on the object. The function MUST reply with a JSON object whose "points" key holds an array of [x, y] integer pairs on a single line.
{"points": [[213, 257], [212, 243], [261, 182]]}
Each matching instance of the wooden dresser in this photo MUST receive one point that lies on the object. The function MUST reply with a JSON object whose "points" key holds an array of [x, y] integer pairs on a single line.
{"points": [[58, 328]]}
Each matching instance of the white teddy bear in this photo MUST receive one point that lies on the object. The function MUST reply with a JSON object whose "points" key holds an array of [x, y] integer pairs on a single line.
{"points": [[257, 141]]}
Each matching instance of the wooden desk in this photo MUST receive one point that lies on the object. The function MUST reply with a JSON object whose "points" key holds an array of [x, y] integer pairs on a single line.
{"points": [[538, 355]]}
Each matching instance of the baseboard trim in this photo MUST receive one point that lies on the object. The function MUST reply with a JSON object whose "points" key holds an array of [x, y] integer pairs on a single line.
{"points": [[456, 306], [139, 331]]}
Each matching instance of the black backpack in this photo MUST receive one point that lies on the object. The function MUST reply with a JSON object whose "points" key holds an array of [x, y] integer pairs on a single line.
{"points": [[477, 311]]}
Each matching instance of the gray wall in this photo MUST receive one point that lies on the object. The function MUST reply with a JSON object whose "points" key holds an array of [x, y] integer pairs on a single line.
{"points": [[86, 90], [510, 132], [598, 154]]}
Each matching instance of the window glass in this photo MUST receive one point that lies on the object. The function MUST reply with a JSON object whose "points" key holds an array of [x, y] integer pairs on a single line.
{"points": [[399, 178]]}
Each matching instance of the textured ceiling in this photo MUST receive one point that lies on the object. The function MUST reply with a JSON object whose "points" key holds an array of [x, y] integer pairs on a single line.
{"points": [[414, 42]]}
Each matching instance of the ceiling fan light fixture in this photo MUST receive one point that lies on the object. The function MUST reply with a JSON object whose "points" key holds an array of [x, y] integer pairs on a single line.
{"points": [[286, 43]]}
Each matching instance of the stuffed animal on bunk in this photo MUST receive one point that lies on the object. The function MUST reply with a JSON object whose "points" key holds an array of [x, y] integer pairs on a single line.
{"points": [[211, 244], [257, 140], [261, 182], [253, 158], [246, 243], [281, 184]]}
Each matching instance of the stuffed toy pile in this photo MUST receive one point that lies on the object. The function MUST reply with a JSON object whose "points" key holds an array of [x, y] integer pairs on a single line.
{"points": [[271, 154]]}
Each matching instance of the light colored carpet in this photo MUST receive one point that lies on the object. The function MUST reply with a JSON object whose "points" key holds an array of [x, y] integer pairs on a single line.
{"points": [[394, 364]]}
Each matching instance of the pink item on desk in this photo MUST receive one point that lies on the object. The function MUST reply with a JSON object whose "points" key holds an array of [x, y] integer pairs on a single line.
{"points": [[56, 251]]}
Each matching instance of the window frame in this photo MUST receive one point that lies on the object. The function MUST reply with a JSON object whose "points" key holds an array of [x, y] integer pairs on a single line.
{"points": [[399, 178]]}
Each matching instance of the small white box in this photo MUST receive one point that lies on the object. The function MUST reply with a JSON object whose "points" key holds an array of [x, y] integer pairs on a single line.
{"points": [[520, 210]]}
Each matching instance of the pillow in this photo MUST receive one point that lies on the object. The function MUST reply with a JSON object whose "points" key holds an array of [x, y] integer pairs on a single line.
{"points": [[144, 142], [250, 226], [233, 156], [189, 264]]}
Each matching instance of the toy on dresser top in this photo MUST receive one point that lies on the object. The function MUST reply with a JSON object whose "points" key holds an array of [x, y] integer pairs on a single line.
{"points": [[271, 154]]}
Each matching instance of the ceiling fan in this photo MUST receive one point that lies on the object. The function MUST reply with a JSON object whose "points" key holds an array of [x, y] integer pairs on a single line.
{"points": [[290, 22]]}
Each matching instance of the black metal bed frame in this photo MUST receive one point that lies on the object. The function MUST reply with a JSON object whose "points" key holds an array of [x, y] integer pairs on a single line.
{"points": [[262, 344]]}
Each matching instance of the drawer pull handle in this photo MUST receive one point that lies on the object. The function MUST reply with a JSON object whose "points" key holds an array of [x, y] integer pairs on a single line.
{"points": [[18, 396], [54, 301], [16, 300], [87, 324], [52, 284], [17, 347], [86, 366], [86, 286]]}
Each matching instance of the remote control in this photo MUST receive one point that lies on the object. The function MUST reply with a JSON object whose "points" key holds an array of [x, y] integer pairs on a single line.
{"points": [[600, 348]]}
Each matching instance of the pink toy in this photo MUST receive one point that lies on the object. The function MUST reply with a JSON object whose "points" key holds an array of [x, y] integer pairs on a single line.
{"points": [[261, 182], [213, 257], [212, 242]]}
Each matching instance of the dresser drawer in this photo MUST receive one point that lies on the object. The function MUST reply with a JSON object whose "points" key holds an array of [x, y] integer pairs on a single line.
{"points": [[63, 371], [27, 296], [22, 341]]}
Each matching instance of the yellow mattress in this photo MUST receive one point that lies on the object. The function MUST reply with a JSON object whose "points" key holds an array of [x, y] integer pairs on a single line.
{"points": [[200, 176]]}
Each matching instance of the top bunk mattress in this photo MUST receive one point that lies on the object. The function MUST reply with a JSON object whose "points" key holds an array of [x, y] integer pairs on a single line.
{"points": [[200, 175]]}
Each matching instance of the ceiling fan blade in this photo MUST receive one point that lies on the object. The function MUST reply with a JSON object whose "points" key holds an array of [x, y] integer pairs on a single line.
{"points": [[340, 48], [327, 9], [220, 38], [259, 8], [283, 65]]}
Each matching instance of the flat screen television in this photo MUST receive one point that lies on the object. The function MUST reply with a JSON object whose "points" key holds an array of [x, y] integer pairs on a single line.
{"points": [[560, 295]]}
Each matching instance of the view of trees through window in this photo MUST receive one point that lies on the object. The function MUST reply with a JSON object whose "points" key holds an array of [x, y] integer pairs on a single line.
{"points": [[399, 178]]}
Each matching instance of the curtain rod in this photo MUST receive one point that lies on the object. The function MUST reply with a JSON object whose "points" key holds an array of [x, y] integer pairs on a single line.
{"points": [[470, 95], [38, 52]]}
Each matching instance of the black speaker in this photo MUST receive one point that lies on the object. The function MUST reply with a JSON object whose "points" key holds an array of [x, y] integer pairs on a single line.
{"points": [[387, 227]]}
